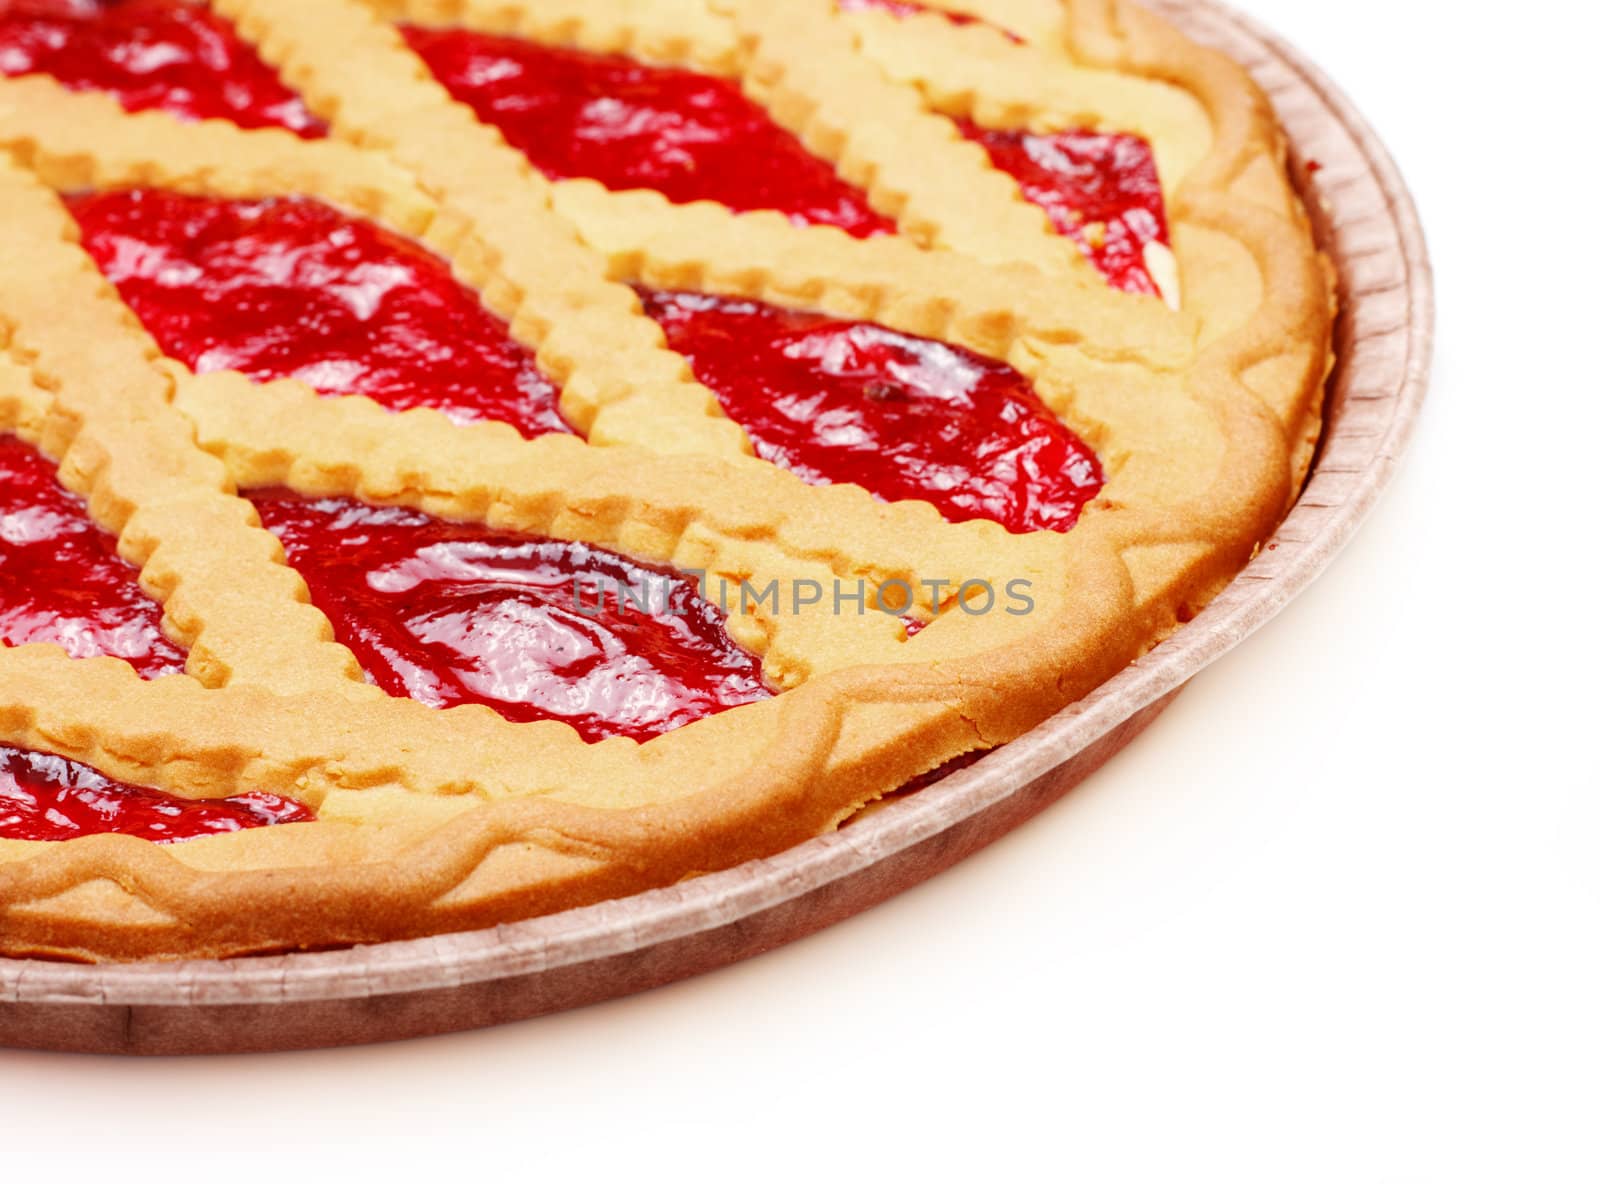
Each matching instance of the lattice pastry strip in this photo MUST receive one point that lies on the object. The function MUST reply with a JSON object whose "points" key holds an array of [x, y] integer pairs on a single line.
{"points": [[803, 67], [24, 408], [433, 820], [678, 32], [976, 72], [1034, 22]]}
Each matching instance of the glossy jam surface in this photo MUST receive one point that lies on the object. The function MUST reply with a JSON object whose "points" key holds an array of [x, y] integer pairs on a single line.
{"points": [[536, 629], [61, 579], [49, 798], [164, 54], [902, 416], [290, 288], [632, 126], [1099, 189]]}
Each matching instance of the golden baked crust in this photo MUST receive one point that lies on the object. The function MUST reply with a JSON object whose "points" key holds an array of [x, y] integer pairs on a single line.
{"points": [[1205, 417]]}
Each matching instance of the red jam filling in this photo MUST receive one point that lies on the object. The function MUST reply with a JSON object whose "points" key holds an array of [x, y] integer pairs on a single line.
{"points": [[290, 288], [175, 56], [902, 416], [627, 125], [61, 579], [1101, 190], [49, 798], [535, 628]]}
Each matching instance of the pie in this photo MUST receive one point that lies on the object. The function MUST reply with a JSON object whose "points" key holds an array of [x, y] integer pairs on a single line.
{"points": [[464, 459]]}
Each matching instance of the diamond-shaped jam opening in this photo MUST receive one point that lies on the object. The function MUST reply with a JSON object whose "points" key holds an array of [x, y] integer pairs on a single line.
{"points": [[61, 579], [49, 798], [448, 614], [1099, 189], [630, 125], [902, 416], [291, 288], [166, 54]]}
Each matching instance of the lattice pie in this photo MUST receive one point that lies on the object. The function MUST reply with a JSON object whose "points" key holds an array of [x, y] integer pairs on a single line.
{"points": [[464, 459]]}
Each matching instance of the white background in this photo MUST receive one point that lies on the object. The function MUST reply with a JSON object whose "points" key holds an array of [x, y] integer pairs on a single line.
{"points": [[1335, 917]]}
